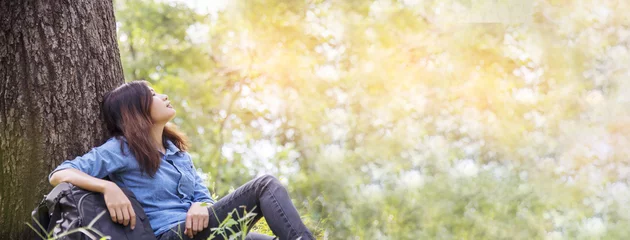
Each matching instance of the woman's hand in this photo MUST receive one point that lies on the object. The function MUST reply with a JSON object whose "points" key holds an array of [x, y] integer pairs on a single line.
{"points": [[196, 219], [119, 205]]}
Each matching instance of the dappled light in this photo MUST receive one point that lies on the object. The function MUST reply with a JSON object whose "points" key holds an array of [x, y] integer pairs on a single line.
{"points": [[442, 119]]}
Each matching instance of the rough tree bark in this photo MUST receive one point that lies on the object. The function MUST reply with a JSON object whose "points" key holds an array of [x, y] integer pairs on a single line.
{"points": [[57, 59]]}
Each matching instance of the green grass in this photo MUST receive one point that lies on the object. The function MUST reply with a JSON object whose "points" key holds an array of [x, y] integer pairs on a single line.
{"points": [[224, 229]]}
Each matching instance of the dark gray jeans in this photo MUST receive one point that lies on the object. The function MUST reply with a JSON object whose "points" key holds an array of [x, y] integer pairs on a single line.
{"points": [[267, 197]]}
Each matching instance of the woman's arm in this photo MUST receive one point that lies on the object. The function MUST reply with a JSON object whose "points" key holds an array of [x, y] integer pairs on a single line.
{"points": [[201, 192], [98, 162], [86, 172], [119, 206], [80, 179]]}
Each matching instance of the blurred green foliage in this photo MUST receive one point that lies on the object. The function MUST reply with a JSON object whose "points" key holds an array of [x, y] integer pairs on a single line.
{"points": [[403, 119]]}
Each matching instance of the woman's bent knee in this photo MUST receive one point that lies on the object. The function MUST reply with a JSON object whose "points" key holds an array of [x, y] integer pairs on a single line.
{"points": [[267, 181]]}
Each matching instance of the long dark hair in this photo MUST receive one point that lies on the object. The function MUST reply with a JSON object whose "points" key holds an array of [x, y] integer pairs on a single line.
{"points": [[127, 114]]}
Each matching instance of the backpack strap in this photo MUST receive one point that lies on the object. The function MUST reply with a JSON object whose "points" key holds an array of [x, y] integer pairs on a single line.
{"points": [[40, 218]]}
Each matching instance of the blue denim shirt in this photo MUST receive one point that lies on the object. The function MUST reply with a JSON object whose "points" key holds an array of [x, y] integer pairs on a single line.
{"points": [[165, 198]]}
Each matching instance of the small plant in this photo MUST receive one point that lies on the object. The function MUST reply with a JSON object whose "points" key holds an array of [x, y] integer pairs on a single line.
{"points": [[225, 227], [242, 223]]}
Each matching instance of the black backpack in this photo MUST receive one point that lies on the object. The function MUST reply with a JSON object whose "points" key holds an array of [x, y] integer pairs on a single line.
{"points": [[68, 208]]}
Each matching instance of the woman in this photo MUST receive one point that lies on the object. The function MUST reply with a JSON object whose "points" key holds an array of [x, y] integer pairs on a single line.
{"points": [[149, 158]]}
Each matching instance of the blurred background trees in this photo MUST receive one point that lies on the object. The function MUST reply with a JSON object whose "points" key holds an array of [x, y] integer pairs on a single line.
{"points": [[403, 119]]}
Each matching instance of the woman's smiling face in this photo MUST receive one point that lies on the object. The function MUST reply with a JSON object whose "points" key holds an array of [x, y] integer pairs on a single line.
{"points": [[161, 109]]}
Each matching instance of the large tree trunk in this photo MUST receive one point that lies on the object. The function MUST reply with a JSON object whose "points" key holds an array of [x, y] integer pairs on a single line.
{"points": [[57, 59]]}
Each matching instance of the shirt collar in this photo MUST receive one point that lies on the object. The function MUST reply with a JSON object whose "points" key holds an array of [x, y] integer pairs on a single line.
{"points": [[171, 148]]}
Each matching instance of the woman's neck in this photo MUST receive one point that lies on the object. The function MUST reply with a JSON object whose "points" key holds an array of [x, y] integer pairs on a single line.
{"points": [[156, 134]]}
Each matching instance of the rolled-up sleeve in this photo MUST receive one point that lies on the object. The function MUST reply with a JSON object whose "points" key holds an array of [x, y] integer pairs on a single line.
{"points": [[98, 162], [201, 192]]}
